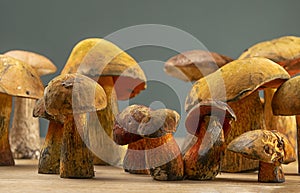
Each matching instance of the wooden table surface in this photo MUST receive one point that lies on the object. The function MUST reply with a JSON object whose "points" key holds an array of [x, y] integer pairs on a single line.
{"points": [[24, 178]]}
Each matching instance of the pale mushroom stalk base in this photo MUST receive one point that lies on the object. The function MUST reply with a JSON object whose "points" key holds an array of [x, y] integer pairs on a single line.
{"points": [[6, 157], [270, 172], [164, 159], [250, 116], [202, 161], [25, 132], [76, 160], [49, 160], [135, 158], [284, 124]]}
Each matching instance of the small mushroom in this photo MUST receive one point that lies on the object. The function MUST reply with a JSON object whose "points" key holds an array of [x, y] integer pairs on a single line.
{"points": [[74, 96], [286, 102], [27, 85], [238, 83], [270, 147], [25, 131], [209, 121], [49, 160], [121, 78], [194, 64], [161, 154]]}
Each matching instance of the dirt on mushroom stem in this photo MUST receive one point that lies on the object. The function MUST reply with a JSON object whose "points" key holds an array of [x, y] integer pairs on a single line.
{"points": [[6, 157]]}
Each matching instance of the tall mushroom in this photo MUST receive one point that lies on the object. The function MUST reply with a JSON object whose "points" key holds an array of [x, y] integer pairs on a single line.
{"points": [[237, 83], [25, 131], [26, 84], [121, 78], [209, 121], [74, 96], [286, 102], [270, 147], [161, 154]]}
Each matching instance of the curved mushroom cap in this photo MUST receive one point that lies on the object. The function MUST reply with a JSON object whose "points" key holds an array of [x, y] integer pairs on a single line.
{"points": [[284, 50], [95, 57], [264, 145], [73, 93], [39, 110], [193, 65], [286, 100], [209, 108], [237, 80], [19, 79], [137, 121], [40, 63]]}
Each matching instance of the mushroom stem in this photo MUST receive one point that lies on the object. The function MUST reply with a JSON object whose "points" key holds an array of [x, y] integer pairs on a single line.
{"points": [[135, 161], [270, 172], [164, 159], [76, 160], [202, 161], [25, 132], [49, 161], [6, 158]]}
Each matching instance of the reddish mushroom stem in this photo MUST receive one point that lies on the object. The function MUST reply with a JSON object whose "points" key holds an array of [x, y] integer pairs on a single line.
{"points": [[49, 161], [76, 159], [270, 172], [6, 158]]}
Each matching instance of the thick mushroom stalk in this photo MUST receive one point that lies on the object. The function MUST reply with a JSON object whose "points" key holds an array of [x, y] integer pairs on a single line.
{"points": [[209, 121], [25, 131], [238, 83], [74, 96], [271, 148], [27, 85]]}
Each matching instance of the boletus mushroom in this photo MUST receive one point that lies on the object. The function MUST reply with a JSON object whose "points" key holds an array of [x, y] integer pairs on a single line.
{"points": [[26, 85], [209, 121], [121, 78], [161, 154], [25, 131], [74, 96], [238, 83], [270, 147]]}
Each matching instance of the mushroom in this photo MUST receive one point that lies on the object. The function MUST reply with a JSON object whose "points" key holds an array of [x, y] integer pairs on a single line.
{"points": [[121, 78], [74, 96], [25, 131], [154, 128], [237, 83], [286, 102], [270, 147], [209, 121], [49, 160], [286, 52], [27, 85], [194, 64]]}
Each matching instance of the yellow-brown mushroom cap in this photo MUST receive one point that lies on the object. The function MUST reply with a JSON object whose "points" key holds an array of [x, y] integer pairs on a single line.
{"points": [[237, 80], [73, 93], [194, 64], [95, 57], [40, 63], [19, 79], [286, 100], [264, 145], [283, 50]]}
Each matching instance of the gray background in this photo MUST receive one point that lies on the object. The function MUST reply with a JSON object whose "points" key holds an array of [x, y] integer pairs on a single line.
{"points": [[53, 27]]}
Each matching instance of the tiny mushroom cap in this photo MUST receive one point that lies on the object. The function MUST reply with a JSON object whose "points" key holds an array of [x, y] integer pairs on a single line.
{"points": [[237, 80], [95, 57], [73, 93], [138, 121], [194, 64], [209, 108], [264, 145], [286, 100], [40, 63], [26, 81]]}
